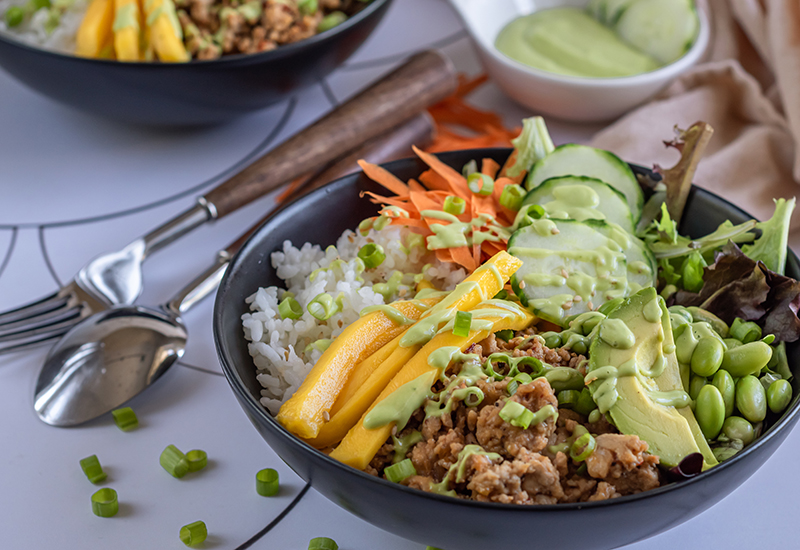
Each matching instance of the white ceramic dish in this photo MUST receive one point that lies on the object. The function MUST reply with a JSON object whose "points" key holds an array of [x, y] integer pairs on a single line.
{"points": [[566, 97]]}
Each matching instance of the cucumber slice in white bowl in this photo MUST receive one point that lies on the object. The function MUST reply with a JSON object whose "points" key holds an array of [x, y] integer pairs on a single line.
{"points": [[572, 159], [581, 198], [665, 29]]}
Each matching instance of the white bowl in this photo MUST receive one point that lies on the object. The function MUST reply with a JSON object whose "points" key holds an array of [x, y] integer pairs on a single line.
{"points": [[566, 97]]}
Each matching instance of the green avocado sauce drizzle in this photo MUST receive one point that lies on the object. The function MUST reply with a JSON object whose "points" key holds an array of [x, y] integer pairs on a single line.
{"points": [[574, 202], [399, 405], [458, 470], [404, 444]]}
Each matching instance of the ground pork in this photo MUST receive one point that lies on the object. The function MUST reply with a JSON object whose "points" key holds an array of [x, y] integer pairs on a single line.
{"points": [[623, 461], [528, 479], [496, 435]]}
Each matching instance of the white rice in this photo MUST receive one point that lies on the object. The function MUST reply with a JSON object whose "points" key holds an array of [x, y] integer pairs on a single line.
{"points": [[33, 30], [279, 346]]}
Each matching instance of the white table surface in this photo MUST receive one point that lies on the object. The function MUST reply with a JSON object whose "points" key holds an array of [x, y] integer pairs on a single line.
{"points": [[73, 186]]}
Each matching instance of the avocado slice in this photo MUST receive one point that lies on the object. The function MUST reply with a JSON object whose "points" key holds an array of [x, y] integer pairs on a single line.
{"points": [[649, 400]]}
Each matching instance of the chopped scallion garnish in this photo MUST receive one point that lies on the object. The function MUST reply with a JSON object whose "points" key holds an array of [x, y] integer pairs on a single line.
{"points": [[480, 184], [125, 419], [331, 20], [322, 307], [400, 471], [197, 460], [516, 414], [568, 398], [502, 295], [194, 533], [523, 378], [583, 447], [469, 168], [454, 205], [307, 7], [104, 503], [512, 197], [174, 461], [462, 324], [512, 386], [372, 255], [289, 308], [505, 335], [267, 482], [322, 543], [92, 468]]}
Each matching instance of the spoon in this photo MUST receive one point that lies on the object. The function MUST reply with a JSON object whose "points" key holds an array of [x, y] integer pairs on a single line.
{"points": [[111, 356]]}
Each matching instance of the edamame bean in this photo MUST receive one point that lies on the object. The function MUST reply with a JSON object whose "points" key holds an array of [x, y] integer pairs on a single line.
{"points": [[736, 427], [710, 411], [585, 404], [678, 324], [746, 359], [695, 385], [579, 347], [768, 379], [685, 343], [552, 340], [564, 378], [723, 381], [707, 357], [731, 343], [751, 399], [703, 316], [778, 395], [683, 312]]}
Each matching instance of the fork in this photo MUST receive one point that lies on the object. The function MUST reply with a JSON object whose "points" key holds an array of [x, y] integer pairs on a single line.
{"points": [[116, 278]]}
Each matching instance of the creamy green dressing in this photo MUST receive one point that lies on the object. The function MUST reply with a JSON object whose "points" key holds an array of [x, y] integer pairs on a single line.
{"points": [[574, 202], [404, 444], [616, 334], [688, 338], [457, 233], [390, 287], [396, 317], [399, 405], [127, 17], [458, 470], [568, 41], [652, 311]]}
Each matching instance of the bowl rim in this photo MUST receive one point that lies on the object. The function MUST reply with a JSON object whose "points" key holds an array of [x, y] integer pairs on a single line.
{"points": [[665, 72], [785, 421], [278, 53]]}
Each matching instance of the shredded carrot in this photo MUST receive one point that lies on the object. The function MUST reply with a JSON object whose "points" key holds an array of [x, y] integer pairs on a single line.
{"points": [[290, 189], [489, 167], [384, 177]]}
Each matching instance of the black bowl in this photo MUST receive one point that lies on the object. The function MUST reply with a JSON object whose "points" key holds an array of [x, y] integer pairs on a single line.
{"points": [[442, 521], [194, 93]]}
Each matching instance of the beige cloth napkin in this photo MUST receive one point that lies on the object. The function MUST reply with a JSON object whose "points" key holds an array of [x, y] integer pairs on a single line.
{"points": [[749, 91]]}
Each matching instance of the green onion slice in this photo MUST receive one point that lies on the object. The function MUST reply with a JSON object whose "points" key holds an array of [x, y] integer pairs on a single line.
{"points": [[267, 482], [512, 197], [322, 307], [568, 398], [469, 168], [372, 255], [480, 184], [364, 226], [92, 468], [523, 378], [322, 543], [516, 414], [505, 335], [289, 308], [331, 20], [194, 533], [104, 503], [125, 419], [502, 295], [454, 205], [512, 386], [432, 548], [582, 448], [307, 7], [174, 461], [462, 324], [197, 459], [400, 471]]}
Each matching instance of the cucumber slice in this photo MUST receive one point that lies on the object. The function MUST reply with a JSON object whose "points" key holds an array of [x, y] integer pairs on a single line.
{"points": [[642, 266], [596, 8], [613, 10], [568, 268], [665, 29], [581, 198], [581, 160]]}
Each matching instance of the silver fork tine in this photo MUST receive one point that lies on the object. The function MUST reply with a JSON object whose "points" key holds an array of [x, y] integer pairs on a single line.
{"points": [[29, 338], [48, 303], [40, 321]]}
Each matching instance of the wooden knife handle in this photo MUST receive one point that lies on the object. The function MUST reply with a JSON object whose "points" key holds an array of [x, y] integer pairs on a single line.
{"points": [[394, 145], [425, 79]]}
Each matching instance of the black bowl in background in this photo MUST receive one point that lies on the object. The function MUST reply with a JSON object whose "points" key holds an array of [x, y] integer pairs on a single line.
{"points": [[442, 521], [193, 93]]}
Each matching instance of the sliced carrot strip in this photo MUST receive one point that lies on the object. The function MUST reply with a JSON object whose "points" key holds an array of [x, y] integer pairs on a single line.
{"points": [[490, 167], [434, 181], [457, 182], [384, 177], [414, 185]]}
